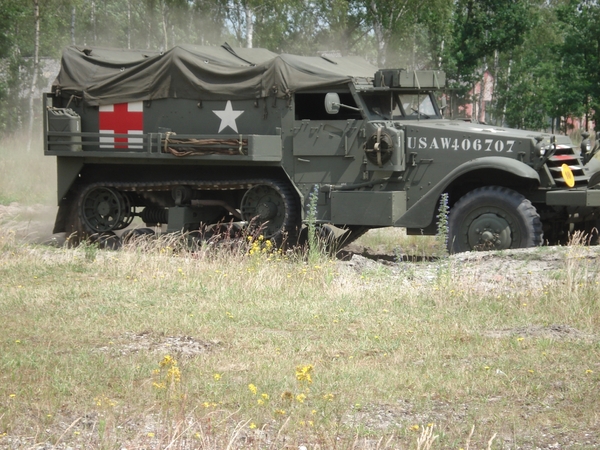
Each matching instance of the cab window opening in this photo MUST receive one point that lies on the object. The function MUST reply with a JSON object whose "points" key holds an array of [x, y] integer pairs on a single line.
{"points": [[311, 106]]}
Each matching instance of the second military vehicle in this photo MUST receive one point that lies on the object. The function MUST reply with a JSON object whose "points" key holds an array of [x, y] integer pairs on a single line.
{"points": [[199, 136]]}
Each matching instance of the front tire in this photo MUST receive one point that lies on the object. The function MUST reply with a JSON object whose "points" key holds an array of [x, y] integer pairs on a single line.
{"points": [[493, 218]]}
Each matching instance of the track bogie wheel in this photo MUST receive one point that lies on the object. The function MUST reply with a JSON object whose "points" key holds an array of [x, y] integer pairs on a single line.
{"points": [[104, 209], [272, 210]]}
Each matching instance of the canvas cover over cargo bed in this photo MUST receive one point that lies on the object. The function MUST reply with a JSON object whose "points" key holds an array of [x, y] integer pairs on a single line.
{"points": [[106, 76]]}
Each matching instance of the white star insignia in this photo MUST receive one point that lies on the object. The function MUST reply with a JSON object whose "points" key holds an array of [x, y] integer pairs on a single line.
{"points": [[228, 117], [491, 130]]}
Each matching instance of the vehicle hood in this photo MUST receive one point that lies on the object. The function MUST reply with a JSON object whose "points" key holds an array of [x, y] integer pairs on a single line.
{"points": [[471, 129]]}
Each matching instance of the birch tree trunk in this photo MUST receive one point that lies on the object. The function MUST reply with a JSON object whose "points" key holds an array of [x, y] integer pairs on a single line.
{"points": [[94, 22], [508, 89], [164, 25], [379, 35], [36, 62], [128, 24], [73, 11], [249, 26], [482, 86], [494, 96]]}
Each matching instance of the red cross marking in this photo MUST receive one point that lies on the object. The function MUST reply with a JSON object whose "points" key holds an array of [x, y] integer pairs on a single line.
{"points": [[121, 118]]}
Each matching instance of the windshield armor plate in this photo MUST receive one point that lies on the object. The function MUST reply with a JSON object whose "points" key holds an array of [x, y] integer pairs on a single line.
{"points": [[400, 105]]}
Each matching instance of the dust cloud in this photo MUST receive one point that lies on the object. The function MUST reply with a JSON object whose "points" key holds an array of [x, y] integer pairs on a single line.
{"points": [[27, 188]]}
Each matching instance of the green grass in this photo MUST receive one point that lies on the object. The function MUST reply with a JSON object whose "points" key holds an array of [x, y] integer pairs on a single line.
{"points": [[85, 332]]}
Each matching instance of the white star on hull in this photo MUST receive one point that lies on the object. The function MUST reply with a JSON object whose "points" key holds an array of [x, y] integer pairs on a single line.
{"points": [[228, 117]]}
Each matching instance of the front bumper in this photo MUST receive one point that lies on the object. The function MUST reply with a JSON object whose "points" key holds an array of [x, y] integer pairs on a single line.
{"points": [[574, 197]]}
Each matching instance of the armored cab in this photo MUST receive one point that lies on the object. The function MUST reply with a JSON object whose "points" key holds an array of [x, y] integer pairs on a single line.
{"points": [[200, 136]]}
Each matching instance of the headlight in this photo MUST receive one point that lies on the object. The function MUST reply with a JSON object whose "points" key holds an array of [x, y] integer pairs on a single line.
{"points": [[540, 147], [586, 145]]}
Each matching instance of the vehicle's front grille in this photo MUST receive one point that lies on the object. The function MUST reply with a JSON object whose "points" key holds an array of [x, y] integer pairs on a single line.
{"points": [[566, 155]]}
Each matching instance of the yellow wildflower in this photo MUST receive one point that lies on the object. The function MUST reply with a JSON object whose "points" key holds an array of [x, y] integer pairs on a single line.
{"points": [[167, 361], [303, 373], [173, 374]]}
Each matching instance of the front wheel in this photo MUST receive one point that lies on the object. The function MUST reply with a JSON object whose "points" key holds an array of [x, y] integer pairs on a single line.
{"points": [[493, 218]]}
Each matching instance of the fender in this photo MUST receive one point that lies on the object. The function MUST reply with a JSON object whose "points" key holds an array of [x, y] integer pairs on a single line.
{"points": [[593, 166], [67, 171], [421, 213]]}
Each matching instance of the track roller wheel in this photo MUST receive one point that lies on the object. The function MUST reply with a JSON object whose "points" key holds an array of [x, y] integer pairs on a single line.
{"points": [[272, 209]]}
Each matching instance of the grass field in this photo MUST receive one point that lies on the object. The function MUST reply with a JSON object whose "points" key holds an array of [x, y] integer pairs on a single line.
{"points": [[157, 346], [150, 346]]}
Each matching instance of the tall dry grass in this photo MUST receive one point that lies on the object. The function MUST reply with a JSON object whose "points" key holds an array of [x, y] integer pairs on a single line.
{"points": [[157, 346]]}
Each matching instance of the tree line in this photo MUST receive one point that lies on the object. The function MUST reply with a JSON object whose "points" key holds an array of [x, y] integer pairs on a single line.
{"points": [[543, 55]]}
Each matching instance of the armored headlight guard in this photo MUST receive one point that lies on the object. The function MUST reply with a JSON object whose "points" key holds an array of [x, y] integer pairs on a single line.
{"points": [[540, 147]]}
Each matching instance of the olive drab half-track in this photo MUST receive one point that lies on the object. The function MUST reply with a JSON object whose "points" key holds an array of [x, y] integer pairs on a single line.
{"points": [[196, 138]]}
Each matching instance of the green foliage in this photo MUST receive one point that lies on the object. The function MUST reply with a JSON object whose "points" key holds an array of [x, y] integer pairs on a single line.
{"points": [[577, 78], [480, 29]]}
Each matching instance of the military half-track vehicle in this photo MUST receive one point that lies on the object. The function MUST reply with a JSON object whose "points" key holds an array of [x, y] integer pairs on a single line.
{"points": [[200, 136]]}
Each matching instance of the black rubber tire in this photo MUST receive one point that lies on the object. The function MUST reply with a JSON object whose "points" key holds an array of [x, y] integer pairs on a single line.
{"points": [[493, 218], [106, 240]]}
